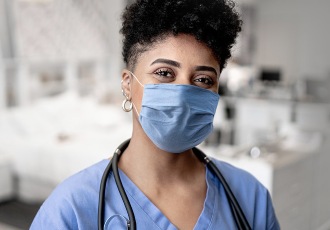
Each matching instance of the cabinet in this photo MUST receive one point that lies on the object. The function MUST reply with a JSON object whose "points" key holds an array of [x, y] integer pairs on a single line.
{"points": [[292, 192], [290, 178]]}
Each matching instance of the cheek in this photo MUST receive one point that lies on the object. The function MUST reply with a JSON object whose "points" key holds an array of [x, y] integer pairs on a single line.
{"points": [[215, 89], [137, 95]]}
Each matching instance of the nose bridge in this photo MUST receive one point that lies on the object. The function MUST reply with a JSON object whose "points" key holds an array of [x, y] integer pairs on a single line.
{"points": [[184, 78]]}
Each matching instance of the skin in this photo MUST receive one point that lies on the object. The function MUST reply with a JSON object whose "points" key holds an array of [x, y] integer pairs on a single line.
{"points": [[175, 183]]}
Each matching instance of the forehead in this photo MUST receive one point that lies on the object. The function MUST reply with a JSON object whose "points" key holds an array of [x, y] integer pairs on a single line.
{"points": [[182, 48]]}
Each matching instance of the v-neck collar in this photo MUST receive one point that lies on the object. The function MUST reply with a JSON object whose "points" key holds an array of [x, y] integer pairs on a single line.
{"points": [[151, 210]]}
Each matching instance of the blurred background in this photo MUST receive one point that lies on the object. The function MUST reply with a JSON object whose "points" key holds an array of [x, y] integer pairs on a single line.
{"points": [[60, 102]]}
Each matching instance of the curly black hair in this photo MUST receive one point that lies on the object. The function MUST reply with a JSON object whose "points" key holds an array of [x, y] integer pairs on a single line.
{"points": [[215, 23]]}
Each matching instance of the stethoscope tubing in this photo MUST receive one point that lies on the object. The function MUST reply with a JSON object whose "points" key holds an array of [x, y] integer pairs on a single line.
{"points": [[131, 217], [239, 217], [101, 204]]}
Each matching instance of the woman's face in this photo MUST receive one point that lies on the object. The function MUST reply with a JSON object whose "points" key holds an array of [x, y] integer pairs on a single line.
{"points": [[177, 60]]}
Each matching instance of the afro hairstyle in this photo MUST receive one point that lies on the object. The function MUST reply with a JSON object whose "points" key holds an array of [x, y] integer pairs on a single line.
{"points": [[215, 23]]}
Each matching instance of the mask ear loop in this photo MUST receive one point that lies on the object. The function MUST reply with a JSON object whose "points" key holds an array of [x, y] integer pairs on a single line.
{"points": [[131, 91], [135, 109], [136, 78]]}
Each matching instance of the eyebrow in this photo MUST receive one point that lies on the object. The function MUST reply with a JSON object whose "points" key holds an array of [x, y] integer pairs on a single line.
{"points": [[167, 61], [206, 68], [177, 64]]}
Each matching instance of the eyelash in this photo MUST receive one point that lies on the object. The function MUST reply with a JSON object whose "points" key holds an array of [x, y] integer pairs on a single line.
{"points": [[205, 80], [164, 72]]}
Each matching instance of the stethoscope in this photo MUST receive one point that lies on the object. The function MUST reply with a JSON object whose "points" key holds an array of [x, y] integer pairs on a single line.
{"points": [[240, 219]]}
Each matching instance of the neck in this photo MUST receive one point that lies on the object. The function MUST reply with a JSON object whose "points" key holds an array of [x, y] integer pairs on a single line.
{"points": [[144, 163], [174, 183]]}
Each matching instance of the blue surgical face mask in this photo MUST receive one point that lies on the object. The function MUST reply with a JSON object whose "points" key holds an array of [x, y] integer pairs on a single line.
{"points": [[177, 117]]}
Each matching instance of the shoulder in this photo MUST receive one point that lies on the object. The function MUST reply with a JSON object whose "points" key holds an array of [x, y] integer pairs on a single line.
{"points": [[244, 185], [73, 200], [81, 184], [237, 177], [252, 196]]}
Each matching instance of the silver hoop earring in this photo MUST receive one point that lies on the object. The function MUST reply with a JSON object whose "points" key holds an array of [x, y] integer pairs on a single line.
{"points": [[124, 107]]}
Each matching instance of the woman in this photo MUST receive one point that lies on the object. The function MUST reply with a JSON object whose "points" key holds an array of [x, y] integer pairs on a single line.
{"points": [[174, 53]]}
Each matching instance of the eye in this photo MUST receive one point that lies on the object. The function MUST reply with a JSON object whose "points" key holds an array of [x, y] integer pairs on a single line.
{"points": [[204, 81], [164, 75]]}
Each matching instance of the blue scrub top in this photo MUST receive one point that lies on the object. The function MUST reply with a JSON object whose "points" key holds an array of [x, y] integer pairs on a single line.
{"points": [[74, 203]]}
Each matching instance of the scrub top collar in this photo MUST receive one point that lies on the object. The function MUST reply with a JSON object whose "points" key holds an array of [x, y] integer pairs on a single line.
{"points": [[137, 196]]}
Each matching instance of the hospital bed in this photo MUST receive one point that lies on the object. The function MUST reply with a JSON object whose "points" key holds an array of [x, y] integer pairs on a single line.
{"points": [[44, 143], [56, 117]]}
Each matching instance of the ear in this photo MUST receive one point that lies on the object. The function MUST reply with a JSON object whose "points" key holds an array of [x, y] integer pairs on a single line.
{"points": [[125, 84]]}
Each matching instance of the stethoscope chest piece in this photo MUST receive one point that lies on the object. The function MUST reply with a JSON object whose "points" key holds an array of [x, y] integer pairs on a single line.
{"points": [[122, 220]]}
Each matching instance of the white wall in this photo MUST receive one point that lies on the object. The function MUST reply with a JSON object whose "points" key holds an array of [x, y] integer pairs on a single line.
{"points": [[64, 32], [115, 9], [294, 35], [6, 48]]}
